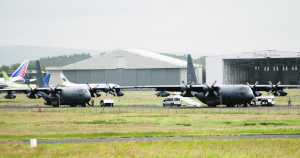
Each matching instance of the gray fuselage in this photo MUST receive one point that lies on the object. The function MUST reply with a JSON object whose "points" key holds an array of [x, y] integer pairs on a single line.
{"points": [[69, 96], [75, 96], [229, 95]]}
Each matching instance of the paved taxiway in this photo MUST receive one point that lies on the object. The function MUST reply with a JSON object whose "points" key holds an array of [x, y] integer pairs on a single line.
{"points": [[157, 139]]}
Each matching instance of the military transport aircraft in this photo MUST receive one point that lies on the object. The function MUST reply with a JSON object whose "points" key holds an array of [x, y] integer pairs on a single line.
{"points": [[111, 88], [63, 95], [212, 95]]}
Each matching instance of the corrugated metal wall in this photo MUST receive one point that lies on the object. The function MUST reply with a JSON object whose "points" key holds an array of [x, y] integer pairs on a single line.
{"points": [[128, 77]]}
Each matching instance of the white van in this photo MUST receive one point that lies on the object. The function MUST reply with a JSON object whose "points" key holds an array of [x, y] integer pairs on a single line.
{"points": [[178, 101], [264, 101], [107, 103]]}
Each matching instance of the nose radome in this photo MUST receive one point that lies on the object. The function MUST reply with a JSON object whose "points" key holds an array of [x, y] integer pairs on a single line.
{"points": [[250, 94], [87, 95]]}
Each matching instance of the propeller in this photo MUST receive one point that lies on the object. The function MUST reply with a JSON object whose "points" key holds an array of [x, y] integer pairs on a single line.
{"points": [[212, 90], [32, 94], [276, 89], [255, 92], [93, 91], [113, 90], [186, 90], [118, 92]]}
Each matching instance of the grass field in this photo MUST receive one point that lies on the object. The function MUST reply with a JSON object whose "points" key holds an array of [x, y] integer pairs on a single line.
{"points": [[131, 118], [280, 148], [59, 123]]}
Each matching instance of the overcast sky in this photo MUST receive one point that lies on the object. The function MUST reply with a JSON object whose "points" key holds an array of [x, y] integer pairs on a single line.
{"points": [[196, 26]]}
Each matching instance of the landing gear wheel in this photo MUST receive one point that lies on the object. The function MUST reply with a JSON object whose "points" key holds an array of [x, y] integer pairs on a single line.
{"points": [[212, 106], [246, 105], [91, 103], [229, 106]]}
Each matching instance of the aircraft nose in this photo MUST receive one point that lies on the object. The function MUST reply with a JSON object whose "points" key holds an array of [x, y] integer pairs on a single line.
{"points": [[87, 96], [249, 94]]}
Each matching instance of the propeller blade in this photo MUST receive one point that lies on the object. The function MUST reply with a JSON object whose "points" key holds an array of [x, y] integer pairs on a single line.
{"points": [[270, 83], [216, 93], [206, 94], [278, 83], [214, 84]]}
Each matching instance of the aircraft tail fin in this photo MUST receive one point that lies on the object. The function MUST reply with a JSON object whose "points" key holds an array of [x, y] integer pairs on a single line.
{"points": [[39, 74], [42, 81], [191, 74], [5, 76], [20, 72], [46, 80]]}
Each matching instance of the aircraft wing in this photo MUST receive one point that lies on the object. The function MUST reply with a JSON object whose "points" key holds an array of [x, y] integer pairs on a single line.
{"points": [[156, 87], [29, 90], [16, 90], [171, 88], [273, 87], [277, 90]]}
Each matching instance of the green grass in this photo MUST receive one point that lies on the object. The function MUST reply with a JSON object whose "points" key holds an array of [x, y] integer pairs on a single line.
{"points": [[267, 148], [63, 123], [128, 120]]}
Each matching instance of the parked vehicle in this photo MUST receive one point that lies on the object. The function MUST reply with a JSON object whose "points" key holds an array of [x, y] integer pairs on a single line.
{"points": [[179, 101], [264, 101], [107, 103]]}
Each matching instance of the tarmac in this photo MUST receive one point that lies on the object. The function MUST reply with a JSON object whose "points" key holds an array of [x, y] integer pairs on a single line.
{"points": [[156, 139]]}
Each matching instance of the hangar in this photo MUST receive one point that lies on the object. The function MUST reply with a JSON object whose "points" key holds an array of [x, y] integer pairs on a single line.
{"points": [[261, 66], [128, 67]]}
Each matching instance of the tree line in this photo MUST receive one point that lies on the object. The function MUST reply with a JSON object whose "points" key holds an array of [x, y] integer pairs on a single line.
{"points": [[49, 61]]}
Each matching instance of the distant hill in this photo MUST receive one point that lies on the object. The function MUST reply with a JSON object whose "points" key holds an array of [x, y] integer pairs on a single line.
{"points": [[62, 60], [16, 54]]}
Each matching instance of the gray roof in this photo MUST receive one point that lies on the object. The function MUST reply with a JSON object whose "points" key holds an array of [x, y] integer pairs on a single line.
{"points": [[262, 54], [127, 59]]}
